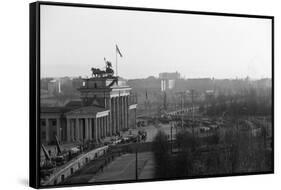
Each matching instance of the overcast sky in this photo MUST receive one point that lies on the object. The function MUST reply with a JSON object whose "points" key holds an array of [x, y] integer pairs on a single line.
{"points": [[75, 39]]}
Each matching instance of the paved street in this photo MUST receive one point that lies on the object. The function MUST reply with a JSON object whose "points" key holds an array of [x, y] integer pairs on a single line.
{"points": [[124, 168], [152, 130]]}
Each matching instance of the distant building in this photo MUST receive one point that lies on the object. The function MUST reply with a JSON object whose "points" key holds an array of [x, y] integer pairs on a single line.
{"points": [[168, 80], [77, 82], [106, 107], [54, 87]]}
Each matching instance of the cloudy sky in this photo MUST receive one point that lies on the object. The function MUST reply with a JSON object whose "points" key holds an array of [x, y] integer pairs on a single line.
{"points": [[75, 39]]}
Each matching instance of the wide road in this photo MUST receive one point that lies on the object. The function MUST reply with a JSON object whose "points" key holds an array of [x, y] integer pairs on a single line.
{"points": [[153, 130], [124, 168]]}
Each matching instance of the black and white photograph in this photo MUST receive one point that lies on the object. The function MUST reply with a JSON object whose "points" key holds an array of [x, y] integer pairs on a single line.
{"points": [[134, 95]]}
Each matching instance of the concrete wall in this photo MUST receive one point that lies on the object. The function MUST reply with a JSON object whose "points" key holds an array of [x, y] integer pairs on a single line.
{"points": [[67, 170]]}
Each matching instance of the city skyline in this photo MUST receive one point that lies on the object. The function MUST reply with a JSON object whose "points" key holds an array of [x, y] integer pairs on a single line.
{"points": [[197, 46]]}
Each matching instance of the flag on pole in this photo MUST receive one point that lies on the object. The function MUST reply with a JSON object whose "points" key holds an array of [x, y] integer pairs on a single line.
{"points": [[118, 51]]}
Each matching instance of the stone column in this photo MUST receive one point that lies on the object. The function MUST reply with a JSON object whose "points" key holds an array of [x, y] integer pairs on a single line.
{"points": [[68, 130], [47, 131], [109, 126], [113, 116], [105, 127], [72, 128], [81, 127], [77, 126], [98, 128], [102, 127], [106, 124], [110, 118], [135, 124], [123, 112], [126, 112], [86, 129], [117, 114], [124, 105], [120, 113], [70, 123], [59, 132], [90, 129], [95, 129]]}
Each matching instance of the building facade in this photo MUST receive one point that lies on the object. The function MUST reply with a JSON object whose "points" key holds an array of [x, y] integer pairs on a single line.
{"points": [[168, 80], [107, 106]]}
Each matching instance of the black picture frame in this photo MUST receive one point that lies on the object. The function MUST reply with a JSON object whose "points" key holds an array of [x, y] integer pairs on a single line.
{"points": [[34, 83]]}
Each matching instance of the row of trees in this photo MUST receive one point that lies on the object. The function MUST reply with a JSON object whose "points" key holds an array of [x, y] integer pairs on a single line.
{"points": [[251, 102], [230, 152]]}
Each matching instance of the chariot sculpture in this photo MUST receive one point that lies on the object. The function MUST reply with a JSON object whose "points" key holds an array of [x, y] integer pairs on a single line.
{"points": [[108, 72]]}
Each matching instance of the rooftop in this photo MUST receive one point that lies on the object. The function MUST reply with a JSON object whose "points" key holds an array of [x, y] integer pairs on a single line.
{"points": [[86, 110]]}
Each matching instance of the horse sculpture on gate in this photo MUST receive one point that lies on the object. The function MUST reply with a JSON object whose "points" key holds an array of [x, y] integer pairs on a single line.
{"points": [[96, 72]]}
